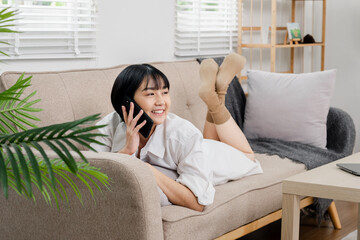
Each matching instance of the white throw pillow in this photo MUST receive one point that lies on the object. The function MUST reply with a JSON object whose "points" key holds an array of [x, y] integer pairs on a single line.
{"points": [[290, 107]]}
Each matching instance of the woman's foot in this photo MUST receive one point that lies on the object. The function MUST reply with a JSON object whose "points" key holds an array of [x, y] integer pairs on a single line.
{"points": [[217, 112], [208, 71], [232, 65]]}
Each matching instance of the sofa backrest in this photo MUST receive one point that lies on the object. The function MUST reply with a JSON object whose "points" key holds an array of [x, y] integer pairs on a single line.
{"points": [[69, 95]]}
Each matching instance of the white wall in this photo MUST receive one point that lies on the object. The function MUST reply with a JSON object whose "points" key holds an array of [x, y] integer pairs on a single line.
{"points": [[343, 53], [143, 31], [136, 31]]}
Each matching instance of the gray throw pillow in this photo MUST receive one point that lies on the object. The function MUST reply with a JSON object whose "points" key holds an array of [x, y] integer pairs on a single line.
{"points": [[290, 107]]}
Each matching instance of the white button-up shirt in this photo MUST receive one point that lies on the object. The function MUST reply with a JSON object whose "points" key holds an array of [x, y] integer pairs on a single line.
{"points": [[178, 147]]}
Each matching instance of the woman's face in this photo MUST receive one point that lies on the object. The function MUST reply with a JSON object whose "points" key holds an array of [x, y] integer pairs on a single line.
{"points": [[155, 102]]}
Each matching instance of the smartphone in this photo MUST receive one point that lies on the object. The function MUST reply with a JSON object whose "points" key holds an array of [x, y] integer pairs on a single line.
{"points": [[145, 130]]}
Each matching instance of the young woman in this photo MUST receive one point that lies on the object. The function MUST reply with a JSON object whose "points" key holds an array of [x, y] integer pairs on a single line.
{"points": [[185, 163]]}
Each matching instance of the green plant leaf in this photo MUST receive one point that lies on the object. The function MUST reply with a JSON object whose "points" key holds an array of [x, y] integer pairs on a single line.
{"points": [[25, 100], [3, 176], [74, 148], [63, 191], [43, 191], [7, 15], [7, 124], [69, 162], [101, 177], [19, 168], [8, 25], [16, 111], [13, 90], [47, 162], [54, 191], [87, 129], [8, 20], [20, 119], [86, 176], [3, 53], [3, 129], [15, 167], [24, 168], [71, 184], [72, 125], [87, 185], [34, 164], [27, 116], [83, 143], [7, 30]]}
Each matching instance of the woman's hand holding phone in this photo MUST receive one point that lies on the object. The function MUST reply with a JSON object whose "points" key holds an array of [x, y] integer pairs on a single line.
{"points": [[132, 131]]}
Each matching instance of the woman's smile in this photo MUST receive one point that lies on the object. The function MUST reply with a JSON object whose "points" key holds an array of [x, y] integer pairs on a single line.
{"points": [[158, 112]]}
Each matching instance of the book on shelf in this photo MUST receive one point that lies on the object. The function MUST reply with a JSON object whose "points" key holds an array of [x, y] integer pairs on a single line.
{"points": [[294, 31]]}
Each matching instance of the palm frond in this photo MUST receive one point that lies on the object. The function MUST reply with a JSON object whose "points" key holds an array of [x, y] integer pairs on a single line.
{"points": [[15, 168], [52, 136], [90, 176], [6, 16], [15, 112], [19, 168], [3, 53], [21, 83], [3, 175]]}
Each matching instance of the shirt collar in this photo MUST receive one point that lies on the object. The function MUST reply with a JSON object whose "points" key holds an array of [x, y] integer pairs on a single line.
{"points": [[156, 143]]}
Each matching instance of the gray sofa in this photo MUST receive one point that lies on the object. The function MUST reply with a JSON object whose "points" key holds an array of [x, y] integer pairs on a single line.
{"points": [[131, 210]]}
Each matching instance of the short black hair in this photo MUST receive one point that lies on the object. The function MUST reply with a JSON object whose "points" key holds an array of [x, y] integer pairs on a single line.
{"points": [[130, 79]]}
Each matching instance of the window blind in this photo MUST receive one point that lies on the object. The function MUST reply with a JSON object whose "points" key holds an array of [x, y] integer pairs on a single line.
{"points": [[51, 29], [205, 27]]}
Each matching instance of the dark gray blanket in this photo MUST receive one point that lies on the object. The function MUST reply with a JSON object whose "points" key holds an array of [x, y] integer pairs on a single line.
{"points": [[340, 139]]}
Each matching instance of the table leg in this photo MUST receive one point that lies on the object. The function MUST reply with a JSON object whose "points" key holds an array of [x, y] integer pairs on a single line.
{"points": [[290, 217], [358, 228]]}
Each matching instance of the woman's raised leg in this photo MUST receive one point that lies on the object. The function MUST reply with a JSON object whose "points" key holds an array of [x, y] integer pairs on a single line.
{"points": [[208, 73], [210, 131], [231, 134], [227, 130]]}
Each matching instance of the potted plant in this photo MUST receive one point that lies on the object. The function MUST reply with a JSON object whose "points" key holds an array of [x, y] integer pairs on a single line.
{"points": [[21, 168]]}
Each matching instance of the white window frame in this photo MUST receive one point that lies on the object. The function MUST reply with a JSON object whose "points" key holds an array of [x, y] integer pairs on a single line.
{"points": [[51, 29], [205, 27]]}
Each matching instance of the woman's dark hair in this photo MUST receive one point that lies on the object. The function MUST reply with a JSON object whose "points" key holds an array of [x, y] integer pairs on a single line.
{"points": [[130, 79]]}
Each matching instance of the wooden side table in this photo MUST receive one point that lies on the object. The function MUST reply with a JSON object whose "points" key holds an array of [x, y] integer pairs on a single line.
{"points": [[327, 181]]}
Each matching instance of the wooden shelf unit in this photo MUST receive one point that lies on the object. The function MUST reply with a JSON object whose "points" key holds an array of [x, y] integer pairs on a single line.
{"points": [[273, 28], [263, 45]]}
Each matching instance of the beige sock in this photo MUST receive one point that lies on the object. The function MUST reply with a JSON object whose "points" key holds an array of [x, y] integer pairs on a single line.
{"points": [[217, 111], [226, 113], [232, 64]]}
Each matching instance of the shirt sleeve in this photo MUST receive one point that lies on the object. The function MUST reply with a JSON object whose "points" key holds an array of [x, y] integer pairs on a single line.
{"points": [[108, 131], [104, 140], [194, 170]]}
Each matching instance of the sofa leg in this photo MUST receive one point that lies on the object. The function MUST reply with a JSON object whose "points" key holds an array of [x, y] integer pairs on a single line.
{"points": [[334, 216]]}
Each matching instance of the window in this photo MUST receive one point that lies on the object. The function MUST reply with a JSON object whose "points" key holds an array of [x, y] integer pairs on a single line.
{"points": [[205, 27], [51, 29]]}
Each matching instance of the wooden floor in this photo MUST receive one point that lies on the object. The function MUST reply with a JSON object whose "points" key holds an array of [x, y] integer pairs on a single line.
{"points": [[309, 229]]}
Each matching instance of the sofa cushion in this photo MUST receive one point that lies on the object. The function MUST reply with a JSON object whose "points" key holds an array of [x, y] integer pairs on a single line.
{"points": [[52, 92], [66, 95], [290, 107], [230, 211]]}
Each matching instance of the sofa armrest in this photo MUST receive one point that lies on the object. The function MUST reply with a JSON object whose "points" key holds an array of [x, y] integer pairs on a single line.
{"points": [[131, 210], [340, 132]]}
